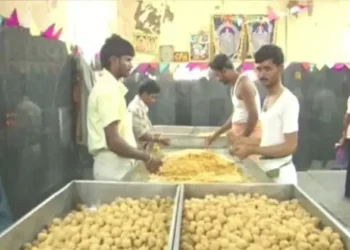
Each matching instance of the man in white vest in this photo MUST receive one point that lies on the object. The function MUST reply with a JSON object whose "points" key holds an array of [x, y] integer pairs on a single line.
{"points": [[279, 121], [245, 100]]}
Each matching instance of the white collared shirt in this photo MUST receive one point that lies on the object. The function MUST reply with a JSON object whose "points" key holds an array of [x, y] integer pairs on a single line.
{"points": [[107, 104], [140, 120]]}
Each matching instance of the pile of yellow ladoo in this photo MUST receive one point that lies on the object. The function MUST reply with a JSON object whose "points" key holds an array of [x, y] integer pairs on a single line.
{"points": [[198, 166]]}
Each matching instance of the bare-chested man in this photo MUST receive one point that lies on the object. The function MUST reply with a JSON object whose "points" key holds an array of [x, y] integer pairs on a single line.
{"points": [[245, 100]]}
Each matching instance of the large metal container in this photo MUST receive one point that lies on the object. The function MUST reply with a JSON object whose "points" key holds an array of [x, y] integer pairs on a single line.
{"points": [[276, 191], [90, 193], [249, 167], [190, 137]]}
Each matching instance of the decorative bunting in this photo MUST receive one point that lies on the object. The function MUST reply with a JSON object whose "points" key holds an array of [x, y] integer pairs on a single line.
{"points": [[57, 35], [197, 70], [193, 65], [247, 66], [163, 67], [143, 67], [236, 65], [339, 66], [12, 21], [48, 33], [305, 65]]}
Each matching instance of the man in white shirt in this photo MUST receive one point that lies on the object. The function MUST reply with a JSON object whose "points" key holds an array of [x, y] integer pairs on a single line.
{"points": [[110, 137], [279, 120], [345, 141], [245, 100], [142, 126]]}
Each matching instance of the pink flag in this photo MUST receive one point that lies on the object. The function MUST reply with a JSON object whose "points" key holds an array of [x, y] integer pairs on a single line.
{"points": [[57, 35], [271, 15], [48, 33], [12, 21], [247, 66]]}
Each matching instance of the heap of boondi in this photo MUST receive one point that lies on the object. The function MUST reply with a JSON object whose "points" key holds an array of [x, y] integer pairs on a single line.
{"points": [[198, 166], [252, 222], [130, 224]]}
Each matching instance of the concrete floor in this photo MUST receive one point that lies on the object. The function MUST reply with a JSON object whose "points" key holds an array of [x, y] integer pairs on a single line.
{"points": [[327, 188]]}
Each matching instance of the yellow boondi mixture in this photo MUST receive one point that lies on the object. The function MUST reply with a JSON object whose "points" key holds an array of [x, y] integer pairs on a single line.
{"points": [[199, 166]]}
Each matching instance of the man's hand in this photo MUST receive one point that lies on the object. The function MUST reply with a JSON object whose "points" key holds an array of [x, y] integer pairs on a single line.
{"points": [[153, 164], [163, 141], [242, 151], [211, 139]]}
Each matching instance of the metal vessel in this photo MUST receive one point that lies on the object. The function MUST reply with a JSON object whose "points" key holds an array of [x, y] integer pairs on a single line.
{"points": [[276, 191], [90, 193]]}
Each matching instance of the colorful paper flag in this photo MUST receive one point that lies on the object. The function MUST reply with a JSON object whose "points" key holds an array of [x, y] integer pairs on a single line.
{"points": [[173, 67], [143, 67], [163, 67], [305, 65], [339, 66], [57, 35], [48, 33], [12, 21], [247, 66], [193, 65]]}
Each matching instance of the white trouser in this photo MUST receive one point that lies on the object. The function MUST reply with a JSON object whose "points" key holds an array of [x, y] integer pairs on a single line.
{"points": [[110, 167], [288, 175]]}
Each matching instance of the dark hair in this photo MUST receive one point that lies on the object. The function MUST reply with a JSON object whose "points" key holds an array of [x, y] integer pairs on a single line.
{"points": [[149, 86], [115, 46], [269, 52], [220, 62]]}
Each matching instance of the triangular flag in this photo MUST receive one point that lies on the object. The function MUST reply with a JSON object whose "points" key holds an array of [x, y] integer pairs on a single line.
{"points": [[347, 65], [12, 21], [247, 66], [153, 65], [305, 65], [338, 66], [57, 35], [286, 64], [48, 33], [163, 67], [271, 15], [143, 67]]}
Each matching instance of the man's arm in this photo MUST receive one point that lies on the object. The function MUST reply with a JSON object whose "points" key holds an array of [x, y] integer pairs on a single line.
{"points": [[247, 94], [119, 146], [346, 121], [290, 130], [225, 127], [109, 109]]}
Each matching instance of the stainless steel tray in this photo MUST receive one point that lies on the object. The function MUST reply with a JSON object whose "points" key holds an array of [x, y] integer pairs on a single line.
{"points": [[90, 193], [248, 166], [276, 191], [189, 137]]}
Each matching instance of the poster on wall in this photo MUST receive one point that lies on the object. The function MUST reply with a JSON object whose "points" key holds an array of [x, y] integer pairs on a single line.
{"points": [[166, 53], [199, 47], [259, 32], [147, 44], [150, 16], [228, 35]]}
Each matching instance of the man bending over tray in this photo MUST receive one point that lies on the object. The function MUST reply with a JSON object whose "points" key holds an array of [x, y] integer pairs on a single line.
{"points": [[142, 126], [245, 99], [110, 137], [279, 120]]}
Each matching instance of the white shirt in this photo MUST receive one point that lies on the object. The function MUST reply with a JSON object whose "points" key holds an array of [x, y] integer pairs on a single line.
{"points": [[348, 112], [240, 113], [107, 104], [281, 118]]}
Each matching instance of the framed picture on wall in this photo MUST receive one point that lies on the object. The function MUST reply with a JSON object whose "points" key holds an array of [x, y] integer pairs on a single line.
{"points": [[144, 43], [228, 34], [166, 53], [259, 31], [200, 47]]}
